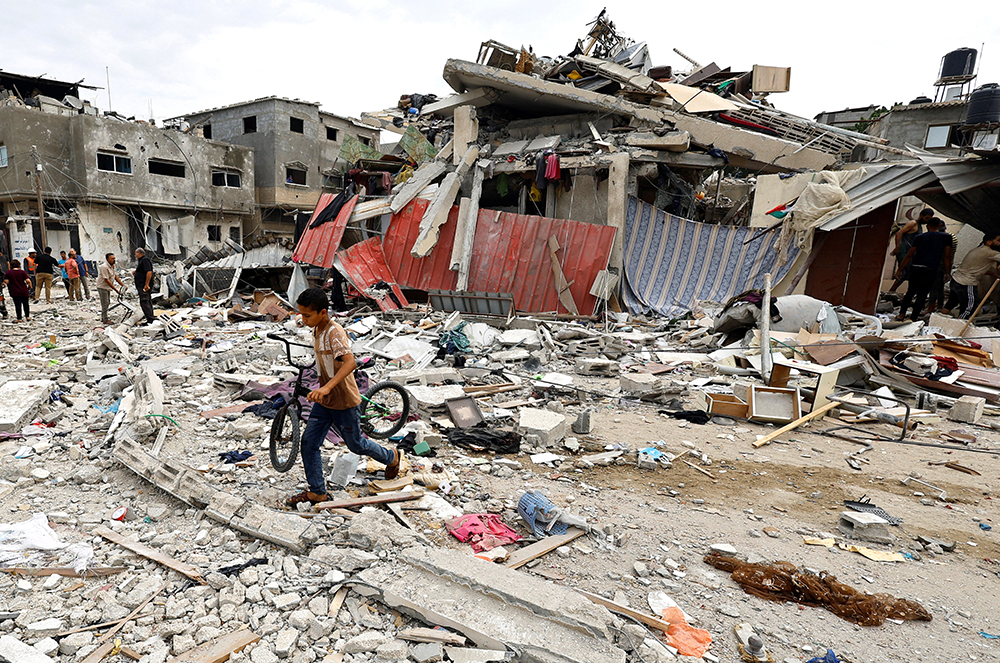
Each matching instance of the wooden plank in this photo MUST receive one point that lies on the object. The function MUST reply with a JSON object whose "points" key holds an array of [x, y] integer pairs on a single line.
{"points": [[337, 601], [131, 653], [828, 352], [384, 498], [548, 544], [562, 287], [140, 549], [65, 571], [99, 653], [218, 649], [431, 635], [703, 471], [648, 620], [795, 424]]}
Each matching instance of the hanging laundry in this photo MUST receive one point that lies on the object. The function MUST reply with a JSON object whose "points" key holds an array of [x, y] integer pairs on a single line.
{"points": [[540, 171], [503, 186], [552, 168], [535, 194], [567, 180]]}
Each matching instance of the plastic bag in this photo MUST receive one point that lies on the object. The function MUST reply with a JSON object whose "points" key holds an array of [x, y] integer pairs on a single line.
{"points": [[296, 284], [32, 534], [688, 640]]}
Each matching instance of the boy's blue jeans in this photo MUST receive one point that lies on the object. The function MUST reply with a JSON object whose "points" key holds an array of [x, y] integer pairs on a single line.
{"points": [[348, 422]]}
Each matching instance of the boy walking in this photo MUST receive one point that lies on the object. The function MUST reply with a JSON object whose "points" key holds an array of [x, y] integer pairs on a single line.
{"points": [[335, 402]]}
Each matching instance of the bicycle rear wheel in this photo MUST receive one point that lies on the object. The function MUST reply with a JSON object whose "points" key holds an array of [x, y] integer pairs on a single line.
{"points": [[384, 410], [285, 436]]}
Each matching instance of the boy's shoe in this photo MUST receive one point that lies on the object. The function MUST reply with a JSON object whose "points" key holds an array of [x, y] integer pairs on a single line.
{"points": [[392, 469], [306, 496]]}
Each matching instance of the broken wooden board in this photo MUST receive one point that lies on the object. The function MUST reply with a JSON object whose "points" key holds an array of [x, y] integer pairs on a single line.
{"points": [[336, 602], [108, 644], [141, 549], [795, 424], [548, 544], [422, 176], [431, 635], [218, 649], [562, 287], [232, 409], [648, 620], [400, 496], [64, 571]]}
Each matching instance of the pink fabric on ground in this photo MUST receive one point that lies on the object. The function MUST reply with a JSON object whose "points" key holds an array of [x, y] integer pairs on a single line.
{"points": [[485, 531]]}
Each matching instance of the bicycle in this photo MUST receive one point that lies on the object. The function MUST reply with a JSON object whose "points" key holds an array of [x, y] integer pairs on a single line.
{"points": [[385, 407]]}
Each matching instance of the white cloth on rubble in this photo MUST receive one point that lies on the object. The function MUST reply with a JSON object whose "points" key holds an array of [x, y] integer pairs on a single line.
{"points": [[819, 202]]}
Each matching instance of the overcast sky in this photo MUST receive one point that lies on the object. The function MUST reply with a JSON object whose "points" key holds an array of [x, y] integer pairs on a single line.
{"points": [[185, 56]]}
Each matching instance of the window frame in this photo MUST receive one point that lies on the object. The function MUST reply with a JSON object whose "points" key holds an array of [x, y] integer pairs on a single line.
{"points": [[305, 179], [3, 156], [227, 174], [947, 140], [249, 119], [336, 133], [216, 230], [291, 125], [169, 163], [117, 160]]}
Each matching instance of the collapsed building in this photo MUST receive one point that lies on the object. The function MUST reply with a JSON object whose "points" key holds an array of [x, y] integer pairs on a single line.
{"points": [[106, 183]]}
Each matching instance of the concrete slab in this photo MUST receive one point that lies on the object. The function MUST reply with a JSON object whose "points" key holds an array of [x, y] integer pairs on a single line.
{"points": [[20, 400], [549, 426], [495, 606], [865, 526], [13, 650]]}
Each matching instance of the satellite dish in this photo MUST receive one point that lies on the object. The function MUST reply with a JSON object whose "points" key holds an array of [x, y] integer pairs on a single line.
{"points": [[73, 102]]}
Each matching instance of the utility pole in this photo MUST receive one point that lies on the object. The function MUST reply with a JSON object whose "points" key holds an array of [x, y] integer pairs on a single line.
{"points": [[38, 192]]}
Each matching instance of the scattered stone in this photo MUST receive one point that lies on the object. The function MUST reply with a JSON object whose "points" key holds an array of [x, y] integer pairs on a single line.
{"points": [[427, 652]]}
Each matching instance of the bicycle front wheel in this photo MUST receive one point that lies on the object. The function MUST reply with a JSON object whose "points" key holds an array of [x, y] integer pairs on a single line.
{"points": [[285, 436], [384, 410]]}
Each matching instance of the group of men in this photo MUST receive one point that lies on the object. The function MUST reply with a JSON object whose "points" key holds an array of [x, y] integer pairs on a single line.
{"points": [[41, 271], [925, 260]]}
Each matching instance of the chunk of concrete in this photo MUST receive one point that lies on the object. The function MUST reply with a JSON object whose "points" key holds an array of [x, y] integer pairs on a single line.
{"points": [[549, 426], [864, 526], [427, 652], [368, 641], [466, 655], [20, 400], [596, 366], [495, 606], [967, 409], [13, 650], [584, 424]]}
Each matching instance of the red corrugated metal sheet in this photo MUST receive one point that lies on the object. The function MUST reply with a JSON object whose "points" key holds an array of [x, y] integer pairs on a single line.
{"points": [[509, 255], [365, 265], [318, 246]]}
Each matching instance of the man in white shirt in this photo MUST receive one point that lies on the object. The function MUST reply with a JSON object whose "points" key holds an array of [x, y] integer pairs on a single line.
{"points": [[106, 278]]}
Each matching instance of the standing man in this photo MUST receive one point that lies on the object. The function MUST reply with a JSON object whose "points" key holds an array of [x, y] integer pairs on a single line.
{"points": [[29, 267], [73, 275], [45, 268], [65, 275], [106, 278], [83, 275], [335, 402], [143, 278], [964, 290], [904, 242], [923, 258]]}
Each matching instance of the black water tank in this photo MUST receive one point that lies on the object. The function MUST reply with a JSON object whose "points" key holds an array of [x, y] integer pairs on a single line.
{"points": [[960, 62], [984, 105], [921, 100]]}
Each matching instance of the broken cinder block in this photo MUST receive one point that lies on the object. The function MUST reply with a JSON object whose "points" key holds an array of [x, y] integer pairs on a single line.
{"points": [[550, 427], [865, 526], [591, 366], [967, 409]]}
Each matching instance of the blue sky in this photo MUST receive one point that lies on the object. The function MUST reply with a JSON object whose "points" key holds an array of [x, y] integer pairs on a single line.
{"points": [[353, 56]]}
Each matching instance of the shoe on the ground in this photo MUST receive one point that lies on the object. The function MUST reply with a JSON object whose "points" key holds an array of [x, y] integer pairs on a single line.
{"points": [[306, 496], [392, 469]]}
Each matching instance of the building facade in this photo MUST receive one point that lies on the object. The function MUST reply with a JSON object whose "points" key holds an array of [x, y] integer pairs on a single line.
{"points": [[296, 150], [110, 185]]}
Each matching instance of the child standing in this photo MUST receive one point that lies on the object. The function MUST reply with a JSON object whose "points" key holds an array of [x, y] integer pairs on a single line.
{"points": [[335, 402]]}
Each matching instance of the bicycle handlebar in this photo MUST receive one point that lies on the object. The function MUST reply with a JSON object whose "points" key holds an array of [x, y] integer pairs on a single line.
{"points": [[288, 349]]}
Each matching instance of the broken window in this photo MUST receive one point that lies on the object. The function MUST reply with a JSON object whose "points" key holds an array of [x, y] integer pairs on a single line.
{"points": [[236, 234], [295, 176], [206, 130], [333, 181], [3, 156], [365, 140], [296, 125], [215, 233], [250, 124], [938, 136], [226, 179], [168, 168], [113, 163], [331, 133]]}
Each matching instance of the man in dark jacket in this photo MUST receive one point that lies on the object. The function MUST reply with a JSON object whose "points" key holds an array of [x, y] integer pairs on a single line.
{"points": [[924, 257], [143, 283]]}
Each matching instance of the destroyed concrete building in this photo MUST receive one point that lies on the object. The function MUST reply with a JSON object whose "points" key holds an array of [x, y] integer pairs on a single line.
{"points": [[296, 148], [113, 185]]}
